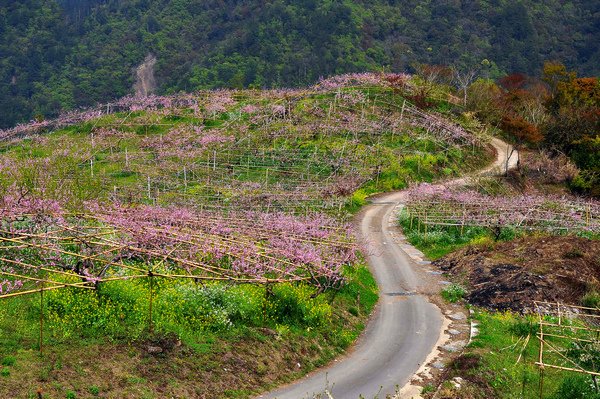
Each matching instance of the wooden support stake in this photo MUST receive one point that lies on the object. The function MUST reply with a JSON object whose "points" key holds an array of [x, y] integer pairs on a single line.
{"points": [[185, 177], [402, 112], [42, 320], [150, 325], [541, 382]]}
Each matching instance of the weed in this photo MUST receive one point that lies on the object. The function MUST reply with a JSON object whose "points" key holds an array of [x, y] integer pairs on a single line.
{"points": [[591, 299], [574, 254], [71, 395], [5, 372], [525, 326], [576, 387], [94, 390], [9, 361], [429, 388], [453, 293]]}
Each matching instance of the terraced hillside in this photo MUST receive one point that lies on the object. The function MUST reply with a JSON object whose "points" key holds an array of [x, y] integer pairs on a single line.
{"points": [[203, 234]]}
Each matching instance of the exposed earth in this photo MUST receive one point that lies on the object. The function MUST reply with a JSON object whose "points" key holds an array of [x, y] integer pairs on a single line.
{"points": [[511, 275]]}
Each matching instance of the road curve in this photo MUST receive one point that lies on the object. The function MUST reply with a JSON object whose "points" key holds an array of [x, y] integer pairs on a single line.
{"points": [[405, 326]]}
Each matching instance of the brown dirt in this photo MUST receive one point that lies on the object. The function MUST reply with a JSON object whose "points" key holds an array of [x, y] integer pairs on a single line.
{"points": [[511, 275]]}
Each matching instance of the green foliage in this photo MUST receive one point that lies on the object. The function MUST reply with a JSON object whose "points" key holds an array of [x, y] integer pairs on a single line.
{"points": [[524, 326], [591, 299], [586, 155], [62, 54], [577, 387], [9, 361], [293, 305], [121, 309], [501, 341], [438, 241], [453, 293], [429, 388], [94, 390]]}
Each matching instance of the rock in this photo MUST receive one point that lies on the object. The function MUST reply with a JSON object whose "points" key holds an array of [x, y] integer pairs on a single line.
{"points": [[438, 365], [457, 381], [453, 332], [455, 346], [155, 349], [458, 316]]}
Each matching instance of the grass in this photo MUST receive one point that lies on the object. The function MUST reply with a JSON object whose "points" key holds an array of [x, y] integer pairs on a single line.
{"points": [[591, 299], [453, 293], [438, 241], [84, 350], [500, 363]]}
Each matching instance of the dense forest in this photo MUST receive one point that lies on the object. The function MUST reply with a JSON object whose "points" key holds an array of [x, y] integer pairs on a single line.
{"points": [[62, 54]]}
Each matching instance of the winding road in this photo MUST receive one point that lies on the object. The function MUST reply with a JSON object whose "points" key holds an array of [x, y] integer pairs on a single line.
{"points": [[405, 326]]}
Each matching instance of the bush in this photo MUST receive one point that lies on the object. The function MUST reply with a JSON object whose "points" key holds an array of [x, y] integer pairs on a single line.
{"points": [[523, 327], [9, 361], [293, 304], [453, 293], [576, 387], [73, 312], [591, 299]]}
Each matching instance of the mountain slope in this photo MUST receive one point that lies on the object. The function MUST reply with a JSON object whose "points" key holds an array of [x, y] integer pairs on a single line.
{"points": [[62, 53]]}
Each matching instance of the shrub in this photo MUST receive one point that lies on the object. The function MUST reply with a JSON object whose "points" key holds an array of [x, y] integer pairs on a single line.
{"points": [[591, 299], [9, 361], [294, 305], [523, 327], [576, 387], [453, 293]]}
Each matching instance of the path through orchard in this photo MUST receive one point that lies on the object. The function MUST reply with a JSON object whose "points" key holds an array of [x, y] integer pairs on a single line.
{"points": [[405, 326]]}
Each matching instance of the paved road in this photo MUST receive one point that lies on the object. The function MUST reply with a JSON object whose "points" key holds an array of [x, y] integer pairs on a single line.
{"points": [[405, 326]]}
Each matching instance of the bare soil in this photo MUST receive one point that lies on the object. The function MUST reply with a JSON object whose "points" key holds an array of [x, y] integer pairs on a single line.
{"points": [[512, 275]]}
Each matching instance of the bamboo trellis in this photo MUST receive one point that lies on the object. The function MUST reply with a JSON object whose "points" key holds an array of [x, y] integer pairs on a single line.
{"points": [[562, 328], [198, 246], [544, 214]]}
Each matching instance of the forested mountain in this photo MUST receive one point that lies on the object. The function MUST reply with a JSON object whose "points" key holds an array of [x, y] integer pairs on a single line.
{"points": [[60, 54]]}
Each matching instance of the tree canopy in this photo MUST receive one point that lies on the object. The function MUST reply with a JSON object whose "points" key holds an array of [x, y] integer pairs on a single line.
{"points": [[61, 54]]}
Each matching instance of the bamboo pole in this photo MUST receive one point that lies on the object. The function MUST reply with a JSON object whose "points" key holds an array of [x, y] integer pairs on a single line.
{"points": [[42, 319], [151, 277]]}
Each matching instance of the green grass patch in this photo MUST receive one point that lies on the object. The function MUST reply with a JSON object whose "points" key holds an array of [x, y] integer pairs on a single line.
{"points": [[438, 241], [500, 363], [453, 293]]}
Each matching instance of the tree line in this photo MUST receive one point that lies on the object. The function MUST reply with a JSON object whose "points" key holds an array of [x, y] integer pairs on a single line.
{"points": [[62, 54]]}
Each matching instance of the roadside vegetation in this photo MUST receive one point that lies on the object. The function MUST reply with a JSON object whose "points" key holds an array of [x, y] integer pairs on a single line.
{"points": [[532, 235]]}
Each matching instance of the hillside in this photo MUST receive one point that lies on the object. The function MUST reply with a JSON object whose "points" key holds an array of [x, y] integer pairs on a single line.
{"points": [[62, 54], [203, 235]]}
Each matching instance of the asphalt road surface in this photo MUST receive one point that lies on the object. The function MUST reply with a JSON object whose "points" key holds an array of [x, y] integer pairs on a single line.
{"points": [[405, 326]]}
